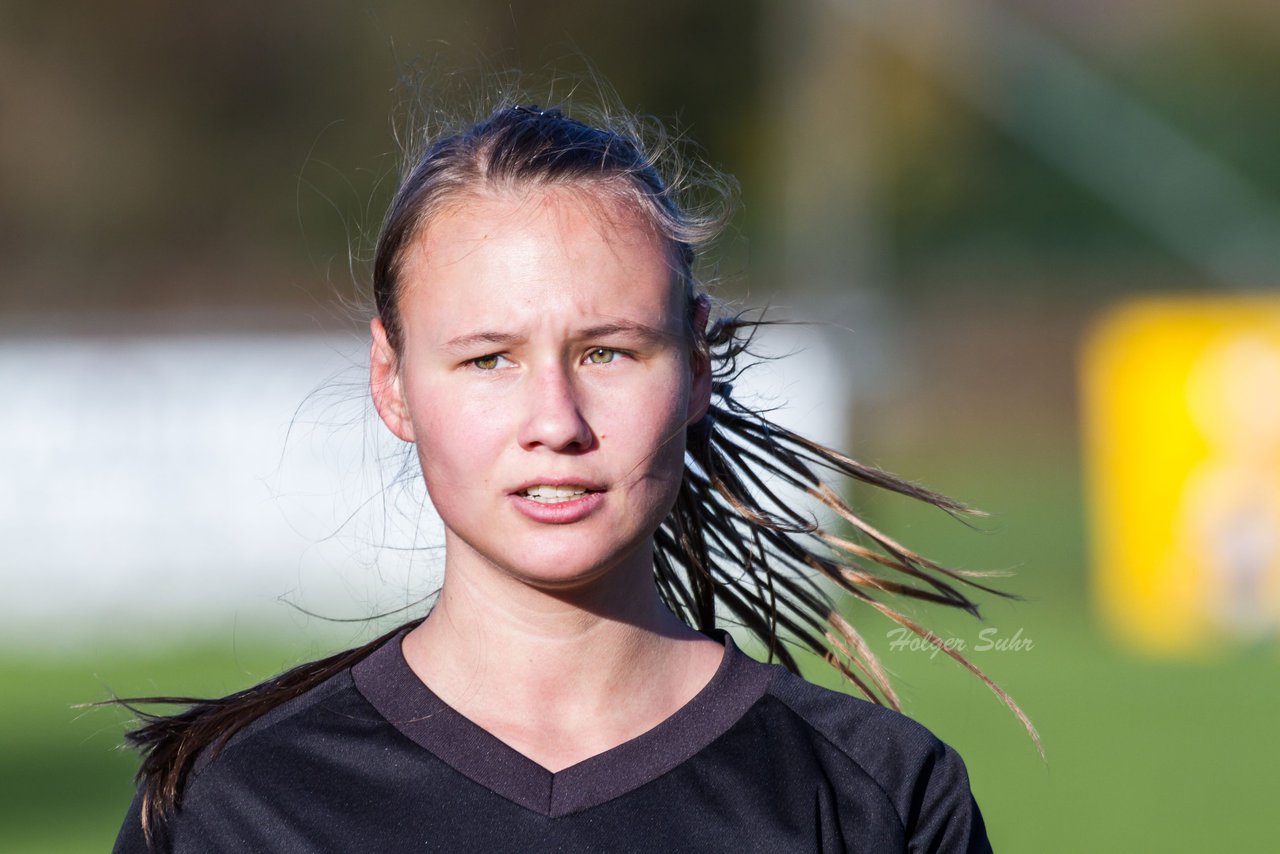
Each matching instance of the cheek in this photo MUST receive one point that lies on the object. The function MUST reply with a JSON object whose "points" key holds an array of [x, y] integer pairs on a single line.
{"points": [[456, 436], [649, 423]]}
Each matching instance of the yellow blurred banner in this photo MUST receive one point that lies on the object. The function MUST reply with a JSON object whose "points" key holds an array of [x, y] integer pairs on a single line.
{"points": [[1181, 408]]}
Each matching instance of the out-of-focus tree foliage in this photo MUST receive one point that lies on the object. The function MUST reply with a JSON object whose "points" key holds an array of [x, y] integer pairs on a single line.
{"points": [[965, 201], [157, 154]]}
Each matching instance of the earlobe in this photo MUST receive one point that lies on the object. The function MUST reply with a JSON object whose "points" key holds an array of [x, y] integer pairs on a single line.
{"points": [[386, 385]]}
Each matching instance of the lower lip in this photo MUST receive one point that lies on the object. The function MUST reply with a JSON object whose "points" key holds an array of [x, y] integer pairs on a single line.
{"points": [[561, 512]]}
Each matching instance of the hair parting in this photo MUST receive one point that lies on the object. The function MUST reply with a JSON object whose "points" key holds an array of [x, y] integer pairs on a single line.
{"points": [[733, 549]]}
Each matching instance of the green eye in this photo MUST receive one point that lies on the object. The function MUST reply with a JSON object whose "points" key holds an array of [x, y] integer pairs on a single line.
{"points": [[601, 356], [486, 363]]}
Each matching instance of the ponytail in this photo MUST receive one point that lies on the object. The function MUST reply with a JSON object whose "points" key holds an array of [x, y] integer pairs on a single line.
{"points": [[732, 545]]}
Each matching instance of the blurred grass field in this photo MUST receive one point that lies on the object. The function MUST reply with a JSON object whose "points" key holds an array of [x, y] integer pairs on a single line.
{"points": [[1141, 755]]}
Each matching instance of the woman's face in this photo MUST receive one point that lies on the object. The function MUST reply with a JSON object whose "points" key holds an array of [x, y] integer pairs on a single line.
{"points": [[546, 377]]}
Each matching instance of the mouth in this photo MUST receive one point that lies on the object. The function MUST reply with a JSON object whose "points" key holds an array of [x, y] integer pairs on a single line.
{"points": [[548, 493]]}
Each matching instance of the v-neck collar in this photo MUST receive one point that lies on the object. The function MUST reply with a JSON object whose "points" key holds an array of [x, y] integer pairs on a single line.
{"points": [[390, 685]]}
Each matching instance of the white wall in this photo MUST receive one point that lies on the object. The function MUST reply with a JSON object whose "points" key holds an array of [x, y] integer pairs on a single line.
{"points": [[202, 480]]}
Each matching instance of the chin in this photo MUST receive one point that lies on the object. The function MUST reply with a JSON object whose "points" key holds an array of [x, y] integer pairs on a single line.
{"points": [[560, 575], [567, 568]]}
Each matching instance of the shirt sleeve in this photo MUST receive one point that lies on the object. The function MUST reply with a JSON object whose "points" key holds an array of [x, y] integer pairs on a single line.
{"points": [[131, 839], [944, 816]]}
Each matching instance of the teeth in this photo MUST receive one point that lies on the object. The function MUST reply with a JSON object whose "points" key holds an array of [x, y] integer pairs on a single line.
{"points": [[548, 494]]}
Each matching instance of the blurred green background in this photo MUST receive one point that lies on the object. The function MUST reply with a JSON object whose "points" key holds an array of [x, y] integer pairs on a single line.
{"points": [[965, 185]]}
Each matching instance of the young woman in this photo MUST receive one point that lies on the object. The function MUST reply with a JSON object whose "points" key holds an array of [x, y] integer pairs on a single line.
{"points": [[541, 340]]}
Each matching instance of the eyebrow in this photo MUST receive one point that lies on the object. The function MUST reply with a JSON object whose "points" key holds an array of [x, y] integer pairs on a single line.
{"points": [[640, 332], [467, 342]]}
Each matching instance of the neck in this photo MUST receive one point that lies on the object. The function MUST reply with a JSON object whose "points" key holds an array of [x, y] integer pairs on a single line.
{"points": [[560, 674]]}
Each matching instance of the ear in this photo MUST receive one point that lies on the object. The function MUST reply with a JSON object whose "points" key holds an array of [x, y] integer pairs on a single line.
{"points": [[700, 387], [386, 384]]}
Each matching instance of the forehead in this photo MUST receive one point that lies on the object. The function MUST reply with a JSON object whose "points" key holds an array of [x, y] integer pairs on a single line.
{"points": [[538, 255], [579, 220]]}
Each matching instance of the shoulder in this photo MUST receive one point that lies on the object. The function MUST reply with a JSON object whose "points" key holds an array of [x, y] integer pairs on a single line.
{"points": [[875, 736], [924, 779], [225, 791], [282, 743], [332, 699]]}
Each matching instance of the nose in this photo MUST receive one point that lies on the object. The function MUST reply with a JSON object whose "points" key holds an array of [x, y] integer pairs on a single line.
{"points": [[554, 418]]}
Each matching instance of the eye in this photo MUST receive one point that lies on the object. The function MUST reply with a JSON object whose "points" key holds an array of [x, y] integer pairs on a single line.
{"points": [[488, 363], [601, 356]]}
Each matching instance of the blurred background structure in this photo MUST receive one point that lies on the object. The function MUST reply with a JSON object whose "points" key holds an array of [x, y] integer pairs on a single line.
{"points": [[962, 189]]}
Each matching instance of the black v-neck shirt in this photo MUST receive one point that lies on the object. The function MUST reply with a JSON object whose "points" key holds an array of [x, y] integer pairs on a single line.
{"points": [[759, 760]]}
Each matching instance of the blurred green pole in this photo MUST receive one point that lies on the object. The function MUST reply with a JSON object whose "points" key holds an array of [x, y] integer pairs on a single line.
{"points": [[831, 261], [818, 114]]}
